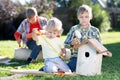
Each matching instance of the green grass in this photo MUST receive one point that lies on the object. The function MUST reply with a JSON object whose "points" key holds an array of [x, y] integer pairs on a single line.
{"points": [[110, 66]]}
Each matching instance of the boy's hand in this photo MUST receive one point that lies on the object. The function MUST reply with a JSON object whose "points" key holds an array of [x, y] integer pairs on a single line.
{"points": [[34, 36], [35, 31], [28, 36], [75, 41], [19, 42], [63, 56], [63, 53]]}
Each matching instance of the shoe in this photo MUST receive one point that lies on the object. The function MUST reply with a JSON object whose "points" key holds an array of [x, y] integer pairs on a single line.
{"points": [[28, 61], [22, 66], [41, 69]]}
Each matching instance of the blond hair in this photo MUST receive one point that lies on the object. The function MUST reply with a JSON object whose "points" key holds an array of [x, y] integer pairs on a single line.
{"points": [[84, 8], [31, 12], [54, 24]]}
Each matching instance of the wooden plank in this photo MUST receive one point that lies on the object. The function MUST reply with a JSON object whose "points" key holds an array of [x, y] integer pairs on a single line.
{"points": [[97, 45], [3, 58], [39, 73], [94, 43], [20, 73], [12, 77]]}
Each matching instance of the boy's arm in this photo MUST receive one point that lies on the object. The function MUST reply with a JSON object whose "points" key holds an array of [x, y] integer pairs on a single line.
{"points": [[35, 34], [63, 53], [19, 32], [69, 39], [35, 31], [98, 37], [18, 36]]}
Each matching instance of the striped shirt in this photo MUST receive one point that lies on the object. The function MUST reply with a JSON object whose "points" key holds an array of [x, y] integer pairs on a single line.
{"points": [[88, 33]]}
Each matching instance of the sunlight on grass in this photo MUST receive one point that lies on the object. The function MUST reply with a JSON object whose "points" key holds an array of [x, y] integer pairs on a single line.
{"points": [[110, 66], [110, 37], [7, 48]]}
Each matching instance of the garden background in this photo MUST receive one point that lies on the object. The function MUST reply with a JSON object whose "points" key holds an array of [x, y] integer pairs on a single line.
{"points": [[106, 18]]}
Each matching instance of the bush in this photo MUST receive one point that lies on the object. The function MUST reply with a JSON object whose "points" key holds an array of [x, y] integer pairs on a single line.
{"points": [[100, 18]]}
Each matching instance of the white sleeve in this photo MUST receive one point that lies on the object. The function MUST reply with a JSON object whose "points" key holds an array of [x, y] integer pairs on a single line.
{"points": [[40, 40], [61, 43]]}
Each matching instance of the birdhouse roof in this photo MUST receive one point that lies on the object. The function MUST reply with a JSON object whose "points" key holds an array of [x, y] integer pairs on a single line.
{"points": [[96, 44]]}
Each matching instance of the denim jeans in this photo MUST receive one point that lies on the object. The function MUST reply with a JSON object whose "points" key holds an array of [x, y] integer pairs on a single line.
{"points": [[72, 63], [34, 47], [55, 64]]}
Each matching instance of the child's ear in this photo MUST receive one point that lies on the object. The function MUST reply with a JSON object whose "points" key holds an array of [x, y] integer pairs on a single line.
{"points": [[78, 18], [91, 17]]}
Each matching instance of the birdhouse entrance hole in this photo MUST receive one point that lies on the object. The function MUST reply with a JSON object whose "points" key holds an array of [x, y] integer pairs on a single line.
{"points": [[87, 54]]}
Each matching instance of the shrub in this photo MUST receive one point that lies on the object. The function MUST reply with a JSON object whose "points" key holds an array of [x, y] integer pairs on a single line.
{"points": [[100, 18]]}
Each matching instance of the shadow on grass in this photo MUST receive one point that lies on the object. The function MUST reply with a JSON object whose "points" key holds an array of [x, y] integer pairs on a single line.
{"points": [[18, 63], [112, 65]]}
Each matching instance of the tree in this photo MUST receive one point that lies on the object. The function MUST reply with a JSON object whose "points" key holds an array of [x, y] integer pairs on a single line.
{"points": [[13, 12], [8, 11], [113, 3], [101, 17], [44, 7]]}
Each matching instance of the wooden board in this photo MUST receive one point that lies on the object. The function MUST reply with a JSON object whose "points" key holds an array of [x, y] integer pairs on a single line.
{"points": [[3, 58], [21, 73], [94, 43], [38, 73], [97, 45]]}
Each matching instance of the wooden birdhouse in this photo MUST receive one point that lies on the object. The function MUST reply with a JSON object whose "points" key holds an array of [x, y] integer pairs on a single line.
{"points": [[89, 59]]}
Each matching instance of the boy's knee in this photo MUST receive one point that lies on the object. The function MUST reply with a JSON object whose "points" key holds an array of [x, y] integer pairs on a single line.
{"points": [[51, 69]]}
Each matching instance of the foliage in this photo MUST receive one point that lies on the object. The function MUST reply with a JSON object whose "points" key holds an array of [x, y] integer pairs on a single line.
{"points": [[8, 10], [44, 7], [13, 12], [113, 3], [77, 3], [101, 18]]}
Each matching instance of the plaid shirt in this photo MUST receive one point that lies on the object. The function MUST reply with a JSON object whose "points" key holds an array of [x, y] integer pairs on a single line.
{"points": [[89, 33], [24, 27]]}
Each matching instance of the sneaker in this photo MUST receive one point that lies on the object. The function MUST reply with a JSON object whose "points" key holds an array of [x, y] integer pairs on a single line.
{"points": [[28, 61], [22, 66], [41, 69]]}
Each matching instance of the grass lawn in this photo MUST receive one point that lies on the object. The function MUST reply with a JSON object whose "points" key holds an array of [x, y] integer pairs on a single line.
{"points": [[110, 66]]}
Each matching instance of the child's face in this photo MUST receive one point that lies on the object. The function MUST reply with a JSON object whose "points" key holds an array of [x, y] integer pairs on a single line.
{"points": [[32, 20], [84, 19], [51, 34]]}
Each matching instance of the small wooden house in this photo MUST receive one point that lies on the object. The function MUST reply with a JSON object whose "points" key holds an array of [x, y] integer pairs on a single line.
{"points": [[89, 59]]}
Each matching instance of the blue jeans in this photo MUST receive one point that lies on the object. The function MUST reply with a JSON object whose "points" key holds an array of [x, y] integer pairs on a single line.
{"points": [[34, 47], [72, 63], [55, 64]]}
